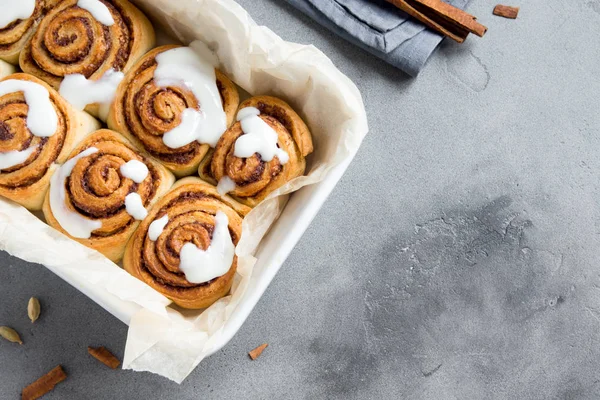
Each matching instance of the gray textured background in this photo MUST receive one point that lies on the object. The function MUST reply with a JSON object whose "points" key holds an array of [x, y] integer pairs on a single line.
{"points": [[457, 258]]}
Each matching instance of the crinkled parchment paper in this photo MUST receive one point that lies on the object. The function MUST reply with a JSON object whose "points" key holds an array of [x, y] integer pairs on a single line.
{"points": [[162, 339]]}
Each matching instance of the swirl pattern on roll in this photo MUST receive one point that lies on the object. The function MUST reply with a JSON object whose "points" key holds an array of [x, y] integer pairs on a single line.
{"points": [[15, 35], [255, 178], [191, 207], [27, 182], [97, 189], [145, 111], [69, 40]]}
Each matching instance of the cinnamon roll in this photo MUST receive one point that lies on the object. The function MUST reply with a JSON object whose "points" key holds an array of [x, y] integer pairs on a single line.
{"points": [[262, 151], [185, 248], [38, 130], [18, 22], [102, 192], [172, 119], [87, 39]]}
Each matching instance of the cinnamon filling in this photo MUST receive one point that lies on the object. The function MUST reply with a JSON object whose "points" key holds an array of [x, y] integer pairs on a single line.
{"points": [[111, 182], [145, 109], [51, 146], [24, 26], [79, 33]]}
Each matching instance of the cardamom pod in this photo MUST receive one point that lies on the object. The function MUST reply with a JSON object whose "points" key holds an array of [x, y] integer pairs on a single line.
{"points": [[10, 334], [33, 309]]}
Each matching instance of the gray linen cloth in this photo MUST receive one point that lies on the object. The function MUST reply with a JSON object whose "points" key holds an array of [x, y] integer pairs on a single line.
{"points": [[378, 27]]}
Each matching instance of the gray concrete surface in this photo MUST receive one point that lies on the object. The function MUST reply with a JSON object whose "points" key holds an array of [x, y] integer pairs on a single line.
{"points": [[457, 259]]}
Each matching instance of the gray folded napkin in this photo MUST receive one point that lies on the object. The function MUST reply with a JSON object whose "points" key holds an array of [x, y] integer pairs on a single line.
{"points": [[378, 27]]}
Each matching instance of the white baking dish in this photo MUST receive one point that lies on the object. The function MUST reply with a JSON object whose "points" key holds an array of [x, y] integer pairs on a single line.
{"points": [[272, 253], [160, 339]]}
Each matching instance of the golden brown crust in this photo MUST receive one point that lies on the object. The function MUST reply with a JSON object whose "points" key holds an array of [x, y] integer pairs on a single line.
{"points": [[14, 36], [190, 205], [28, 182], [144, 112], [204, 169], [96, 189], [69, 40], [256, 178]]}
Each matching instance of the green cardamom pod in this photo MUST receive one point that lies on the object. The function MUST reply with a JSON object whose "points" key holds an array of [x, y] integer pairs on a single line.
{"points": [[10, 334], [33, 309]]}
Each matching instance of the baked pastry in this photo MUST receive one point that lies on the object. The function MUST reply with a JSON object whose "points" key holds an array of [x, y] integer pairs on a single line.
{"points": [[262, 151], [91, 38], [38, 130], [173, 120], [185, 247], [18, 22], [101, 193], [6, 69]]}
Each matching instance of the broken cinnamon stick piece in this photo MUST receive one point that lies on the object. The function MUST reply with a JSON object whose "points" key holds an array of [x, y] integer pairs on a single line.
{"points": [[506, 11], [104, 356], [254, 354], [43, 385]]}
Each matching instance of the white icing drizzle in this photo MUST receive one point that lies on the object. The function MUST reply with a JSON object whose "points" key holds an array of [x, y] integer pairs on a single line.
{"points": [[98, 10], [258, 137], [157, 226], [201, 266], [13, 10], [226, 185], [193, 69], [80, 92], [41, 116], [135, 206], [187, 130], [247, 112], [15, 157], [135, 170], [75, 224]]}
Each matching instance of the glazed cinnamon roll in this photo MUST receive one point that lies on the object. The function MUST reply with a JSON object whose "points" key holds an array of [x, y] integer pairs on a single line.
{"points": [[173, 120], [88, 39], [102, 192], [38, 130], [18, 22], [262, 151], [185, 248]]}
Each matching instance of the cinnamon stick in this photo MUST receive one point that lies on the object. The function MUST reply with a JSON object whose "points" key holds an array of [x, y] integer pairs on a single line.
{"points": [[455, 15], [44, 385], [506, 11], [104, 356], [442, 17]]}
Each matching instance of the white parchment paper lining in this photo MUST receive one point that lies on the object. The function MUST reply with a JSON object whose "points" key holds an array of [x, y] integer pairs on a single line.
{"points": [[161, 339]]}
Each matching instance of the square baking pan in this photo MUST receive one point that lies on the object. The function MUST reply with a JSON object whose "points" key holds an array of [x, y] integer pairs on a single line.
{"points": [[306, 72]]}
